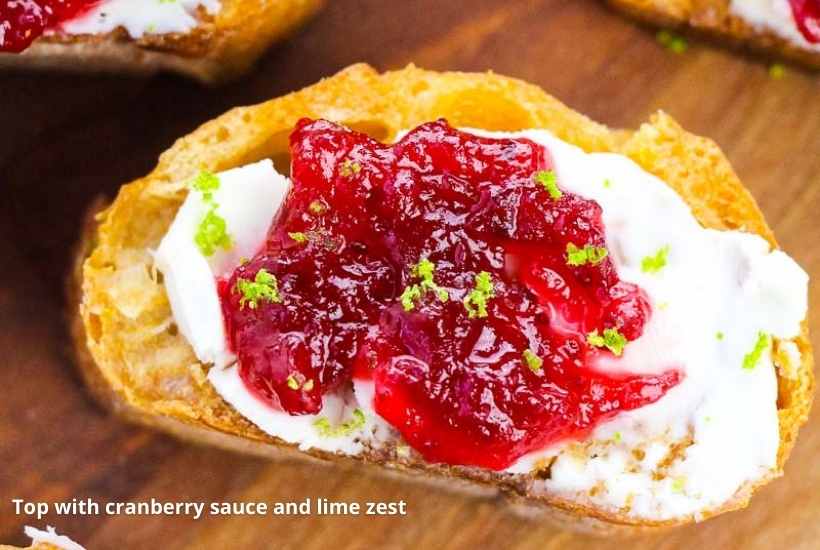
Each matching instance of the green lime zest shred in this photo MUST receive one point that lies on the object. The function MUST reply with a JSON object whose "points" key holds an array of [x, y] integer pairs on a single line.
{"points": [[751, 359], [589, 254], [206, 183], [548, 179], [349, 168], [534, 362], [611, 339], [264, 287], [212, 230], [656, 262], [672, 42], [299, 237], [424, 271], [476, 300], [325, 429], [317, 207], [212, 233], [777, 71]]}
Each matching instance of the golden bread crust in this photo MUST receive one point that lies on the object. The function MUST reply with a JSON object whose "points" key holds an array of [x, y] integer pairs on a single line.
{"points": [[713, 18], [136, 362], [221, 47]]}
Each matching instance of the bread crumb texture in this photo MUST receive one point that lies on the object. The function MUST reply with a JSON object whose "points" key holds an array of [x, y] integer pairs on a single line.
{"points": [[135, 360]]}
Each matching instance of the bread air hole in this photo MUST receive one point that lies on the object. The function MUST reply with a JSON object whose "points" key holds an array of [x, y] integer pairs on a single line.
{"points": [[482, 108], [94, 327]]}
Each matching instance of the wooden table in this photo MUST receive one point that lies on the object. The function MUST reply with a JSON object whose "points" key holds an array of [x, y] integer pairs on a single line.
{"points": [[65, 139]]}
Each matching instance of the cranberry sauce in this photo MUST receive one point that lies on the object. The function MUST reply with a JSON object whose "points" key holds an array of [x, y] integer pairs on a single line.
{"points": [[453, 272], [807, 17], [22, 21]]}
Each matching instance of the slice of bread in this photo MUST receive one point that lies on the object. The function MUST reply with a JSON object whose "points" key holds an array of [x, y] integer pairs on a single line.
{"points": [[221, 47], [136, 362], [34, 546], [714, 19], [46, 539]]}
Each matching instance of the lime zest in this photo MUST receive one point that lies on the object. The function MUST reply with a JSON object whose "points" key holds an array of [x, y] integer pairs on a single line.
{"points": [[548, 179], [777, 71], [349, 168], [212, 233], [589, 254], [325, 429], [534, 362], [672, 42], [424, 270], [206, 183], [656, 262], [751, 359], [298, 237], [212, 230], [612, 339], [264, 287], [317, 207], [476, 300]]}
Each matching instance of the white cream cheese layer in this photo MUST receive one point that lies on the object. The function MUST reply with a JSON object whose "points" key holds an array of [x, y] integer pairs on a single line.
{"points": [[337, 409], [774, 16], [247, 199], [141, 17], [718, 291]]}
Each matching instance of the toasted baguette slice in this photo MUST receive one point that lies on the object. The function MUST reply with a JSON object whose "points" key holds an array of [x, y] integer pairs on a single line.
{"points": [[137, 364], [47, 539], [221, 47], [713, 18]]}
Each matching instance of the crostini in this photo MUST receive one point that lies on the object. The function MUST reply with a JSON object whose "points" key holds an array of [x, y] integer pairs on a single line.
{"points": [[457, 277], [45, 539], [209, 40], [786, 28]]}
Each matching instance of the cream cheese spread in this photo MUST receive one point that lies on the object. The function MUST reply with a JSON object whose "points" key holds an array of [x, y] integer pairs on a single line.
{"points": [[141, 17], [718, 294]]}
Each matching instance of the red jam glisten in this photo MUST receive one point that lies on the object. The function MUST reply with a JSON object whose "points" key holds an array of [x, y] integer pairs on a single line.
{"points": [[23, 21], [453, 272]]}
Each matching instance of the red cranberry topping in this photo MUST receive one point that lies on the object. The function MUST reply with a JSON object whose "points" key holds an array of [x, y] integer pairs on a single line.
{"points": [[22, 21], [468, 373], [807, 16]]}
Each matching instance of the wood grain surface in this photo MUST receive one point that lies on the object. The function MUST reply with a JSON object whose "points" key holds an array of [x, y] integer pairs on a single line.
{"points": [[66, 139]]}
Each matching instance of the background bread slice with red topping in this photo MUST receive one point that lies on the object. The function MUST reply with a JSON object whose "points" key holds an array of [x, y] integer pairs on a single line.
{"points": [[223, 46], [713, 18], [136, 363]]}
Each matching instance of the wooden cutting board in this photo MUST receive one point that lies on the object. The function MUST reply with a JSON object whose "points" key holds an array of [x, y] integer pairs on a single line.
{"points": [[66, 139]]}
